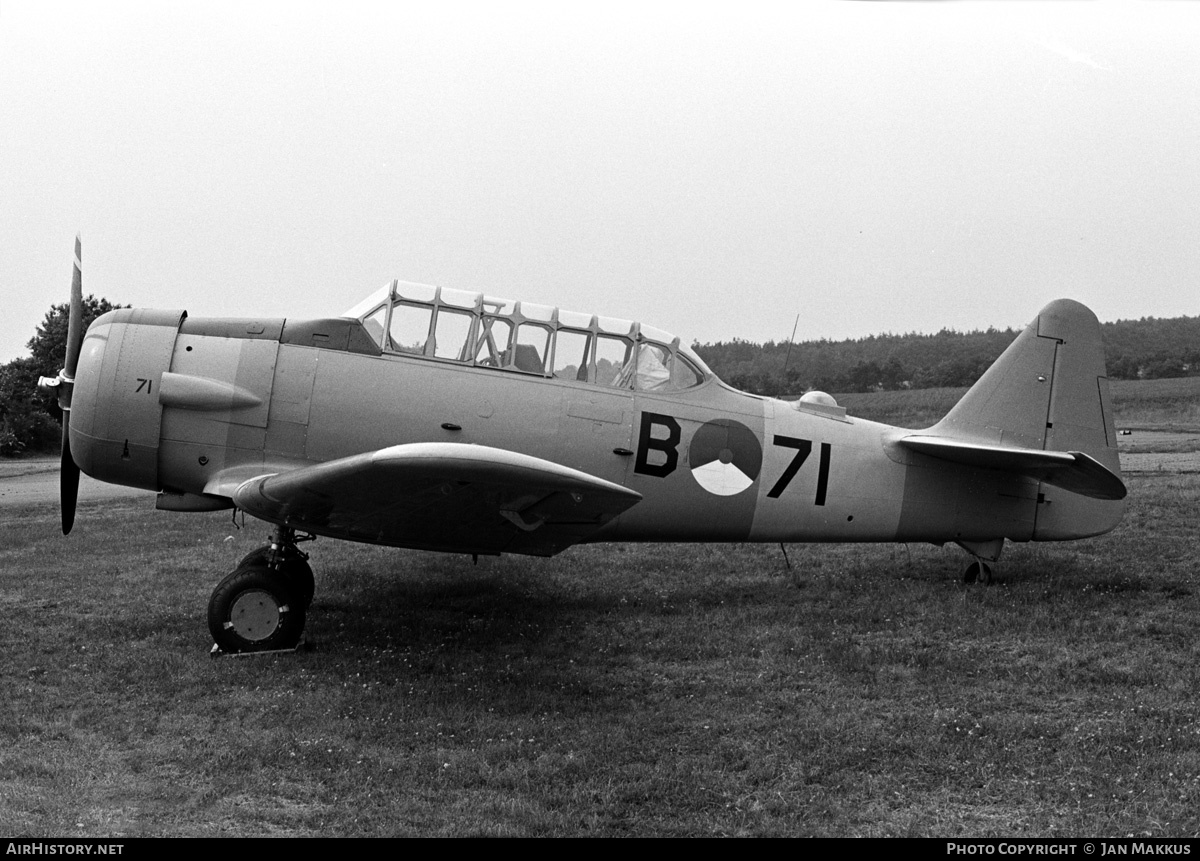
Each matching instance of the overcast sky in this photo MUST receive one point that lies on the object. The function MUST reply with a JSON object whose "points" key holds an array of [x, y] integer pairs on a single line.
{"points": [[709, 169]]}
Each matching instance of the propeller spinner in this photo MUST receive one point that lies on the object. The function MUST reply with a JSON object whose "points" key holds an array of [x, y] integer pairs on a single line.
{"points": [[63, 384]]}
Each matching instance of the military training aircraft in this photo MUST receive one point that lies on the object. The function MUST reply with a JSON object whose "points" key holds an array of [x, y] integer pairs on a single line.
{"points": [[448, 420]]}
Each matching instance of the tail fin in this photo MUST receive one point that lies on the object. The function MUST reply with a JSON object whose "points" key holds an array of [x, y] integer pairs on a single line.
{"points": [[1048, 391]]}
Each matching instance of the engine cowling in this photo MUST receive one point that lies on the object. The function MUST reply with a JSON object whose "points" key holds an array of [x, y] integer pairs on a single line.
{"points": [[116, 416]]}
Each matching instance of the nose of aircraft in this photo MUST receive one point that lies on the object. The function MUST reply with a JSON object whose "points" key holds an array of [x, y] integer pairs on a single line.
{"points": [[116, 415], [86, 397]]}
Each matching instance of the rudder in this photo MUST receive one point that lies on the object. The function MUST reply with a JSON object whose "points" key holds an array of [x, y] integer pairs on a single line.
{"points": [[1049, 390]]}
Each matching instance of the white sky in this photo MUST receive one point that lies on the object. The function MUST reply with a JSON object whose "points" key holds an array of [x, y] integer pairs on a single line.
{"points": [[710, 169]]}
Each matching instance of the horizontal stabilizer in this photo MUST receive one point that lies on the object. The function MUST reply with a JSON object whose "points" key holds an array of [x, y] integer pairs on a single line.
{"points": [[1071, 470], [440, 496]]}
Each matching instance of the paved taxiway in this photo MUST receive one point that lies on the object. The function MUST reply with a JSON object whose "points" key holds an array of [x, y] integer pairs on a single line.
{"points": [[35, 480]]}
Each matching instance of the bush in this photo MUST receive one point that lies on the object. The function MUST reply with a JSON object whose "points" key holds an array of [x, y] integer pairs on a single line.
{"points": [[10, 445], [28, 417], [25, 427]]}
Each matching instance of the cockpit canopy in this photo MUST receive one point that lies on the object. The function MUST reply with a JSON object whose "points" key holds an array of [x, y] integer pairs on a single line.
{"points": [[469, 328]]}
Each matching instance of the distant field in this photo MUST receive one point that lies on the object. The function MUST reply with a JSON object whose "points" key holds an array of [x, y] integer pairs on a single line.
{"points": [[917, 408], [1157, 404], [613, 690], [1138, 405]]}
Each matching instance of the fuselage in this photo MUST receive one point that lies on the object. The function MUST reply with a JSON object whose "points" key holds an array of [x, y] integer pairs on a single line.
{"points": [[192, 407]]}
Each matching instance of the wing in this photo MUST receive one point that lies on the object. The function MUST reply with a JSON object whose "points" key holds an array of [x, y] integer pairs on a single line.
{"points": [[1071, 470], [440, 496]]}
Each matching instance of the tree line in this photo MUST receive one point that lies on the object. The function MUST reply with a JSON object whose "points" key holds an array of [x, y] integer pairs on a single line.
{"points": [[1149, 348]]}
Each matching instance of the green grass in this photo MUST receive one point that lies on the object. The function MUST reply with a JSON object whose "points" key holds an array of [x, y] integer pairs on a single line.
{"points": [[1137, 404], [1157, 404], [613, 690], [916, 408]]}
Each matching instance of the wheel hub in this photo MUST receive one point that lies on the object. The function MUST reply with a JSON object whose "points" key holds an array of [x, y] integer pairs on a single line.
{"points": [[255, 615]]}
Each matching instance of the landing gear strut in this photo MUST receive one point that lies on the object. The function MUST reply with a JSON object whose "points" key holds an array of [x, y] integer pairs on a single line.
{"points": [[261, 606]]}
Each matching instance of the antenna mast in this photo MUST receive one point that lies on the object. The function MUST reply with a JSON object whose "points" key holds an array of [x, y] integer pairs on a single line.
{"points": [[788, 358]]}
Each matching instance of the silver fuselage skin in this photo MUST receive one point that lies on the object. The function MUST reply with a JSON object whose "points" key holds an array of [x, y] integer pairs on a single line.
{"points": [[193, 407]]}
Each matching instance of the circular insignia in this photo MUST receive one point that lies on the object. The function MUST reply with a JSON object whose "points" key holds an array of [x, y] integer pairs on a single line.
{"points": [[725, 457]]}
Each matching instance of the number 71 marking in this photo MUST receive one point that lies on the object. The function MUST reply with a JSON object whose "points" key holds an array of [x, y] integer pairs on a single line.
{"points": [[803, 450]]}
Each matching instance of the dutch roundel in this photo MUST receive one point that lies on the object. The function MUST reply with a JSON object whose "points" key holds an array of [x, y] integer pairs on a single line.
{"points": [[725, 457]]}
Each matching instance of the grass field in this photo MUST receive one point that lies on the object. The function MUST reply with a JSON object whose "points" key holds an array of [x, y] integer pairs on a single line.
{"points": [[613, 690], [1138, 404]]}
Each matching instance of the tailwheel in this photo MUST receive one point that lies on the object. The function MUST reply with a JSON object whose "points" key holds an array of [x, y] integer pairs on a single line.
{"points": [[978, 571], [255, 609]]}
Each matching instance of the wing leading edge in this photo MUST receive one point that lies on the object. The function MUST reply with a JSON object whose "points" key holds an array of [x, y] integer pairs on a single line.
{"points": [[1071, 470], [440, 496]]}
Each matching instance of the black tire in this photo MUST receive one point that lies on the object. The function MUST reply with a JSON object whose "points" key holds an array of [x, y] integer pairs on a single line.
{"points": [[255, 557], [299, 575], [254, 609], [295, 570]]}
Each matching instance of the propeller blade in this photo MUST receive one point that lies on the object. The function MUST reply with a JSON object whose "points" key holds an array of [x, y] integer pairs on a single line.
{"points": [[75, 321], [68, 478], [68, 471]]}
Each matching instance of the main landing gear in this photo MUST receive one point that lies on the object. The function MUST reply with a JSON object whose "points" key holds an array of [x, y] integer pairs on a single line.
{"points": [[261, 606]]}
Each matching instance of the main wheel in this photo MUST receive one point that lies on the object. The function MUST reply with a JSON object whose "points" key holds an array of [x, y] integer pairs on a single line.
{"points": [[295, 570], [255, 609]]}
